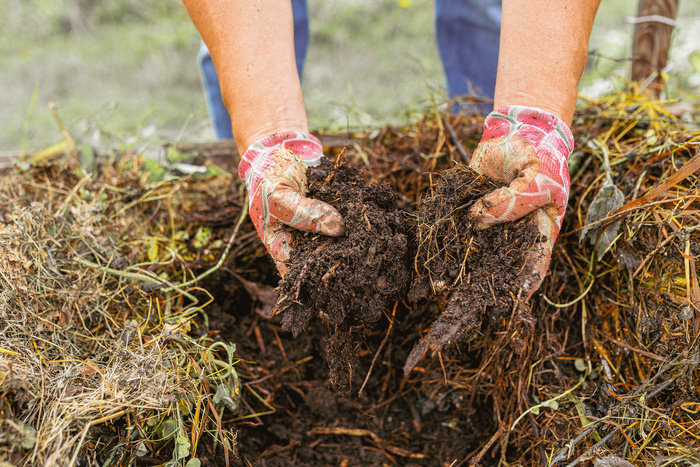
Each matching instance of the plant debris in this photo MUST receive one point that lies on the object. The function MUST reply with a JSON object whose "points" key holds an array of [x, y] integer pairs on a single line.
{"points": [[99, 325]]}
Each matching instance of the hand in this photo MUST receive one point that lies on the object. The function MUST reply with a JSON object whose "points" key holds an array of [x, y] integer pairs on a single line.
{"points": [[274, 169], [527, 148]]}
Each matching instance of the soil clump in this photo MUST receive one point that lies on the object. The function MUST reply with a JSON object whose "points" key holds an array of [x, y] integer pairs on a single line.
{"points": [[347, 281], [474, 271]]}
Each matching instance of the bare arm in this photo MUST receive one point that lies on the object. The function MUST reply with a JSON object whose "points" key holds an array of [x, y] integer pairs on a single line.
{"points": [[252, 45], [544, 44]]}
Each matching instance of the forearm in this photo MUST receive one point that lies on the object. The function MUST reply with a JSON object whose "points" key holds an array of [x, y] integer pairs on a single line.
{"points": [[252, 45], [543, 50]]}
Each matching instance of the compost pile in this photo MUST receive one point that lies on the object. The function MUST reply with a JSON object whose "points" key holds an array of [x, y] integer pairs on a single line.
{"points": [[348, 281], [123, 294]]}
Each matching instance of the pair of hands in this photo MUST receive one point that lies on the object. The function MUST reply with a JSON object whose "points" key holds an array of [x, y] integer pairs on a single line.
{"points": [[526, 148]]}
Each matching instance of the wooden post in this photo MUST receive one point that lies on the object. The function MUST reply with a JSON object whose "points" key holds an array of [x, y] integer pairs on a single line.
{"points": [[652, 38]]}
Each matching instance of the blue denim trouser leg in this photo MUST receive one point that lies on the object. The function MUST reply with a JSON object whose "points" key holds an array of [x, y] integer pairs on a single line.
{"points": [[468, 33], [212, 90]]}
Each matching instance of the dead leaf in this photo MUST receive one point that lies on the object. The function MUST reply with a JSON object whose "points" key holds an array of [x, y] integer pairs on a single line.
{"points": [[608, 199], [89, 368], [628, 258], [611, 460], [265, 296]]}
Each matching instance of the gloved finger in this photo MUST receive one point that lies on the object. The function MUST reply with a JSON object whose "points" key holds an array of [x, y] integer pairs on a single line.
{"points": [[286, 208], [281, 198], [277, 238], [279, 248], [535, 181], [536, 260]]}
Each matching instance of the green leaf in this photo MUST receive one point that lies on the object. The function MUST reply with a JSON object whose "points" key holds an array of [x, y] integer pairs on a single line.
{"points": [[223, 394], [580, 365], [202, 237], [182, 447], [194, 462], [154, 168], [169, 428], [142, 450], [554, 405]]}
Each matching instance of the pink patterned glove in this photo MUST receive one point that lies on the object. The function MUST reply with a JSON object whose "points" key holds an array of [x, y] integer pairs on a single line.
{"points": [[274, 169], [527, 148]]}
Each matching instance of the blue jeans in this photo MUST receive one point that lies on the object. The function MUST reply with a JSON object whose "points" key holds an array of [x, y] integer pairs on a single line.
{"points": [[467, 33]]}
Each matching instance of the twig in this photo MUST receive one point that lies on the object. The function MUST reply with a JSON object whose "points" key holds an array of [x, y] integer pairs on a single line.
{"points": [[476, 459], [453, 136], [381, 346], [645, 353], [592, 449]]}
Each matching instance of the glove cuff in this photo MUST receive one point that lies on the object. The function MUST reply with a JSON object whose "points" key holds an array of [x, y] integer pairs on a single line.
{"points": [[532, 123], [262, 153]]}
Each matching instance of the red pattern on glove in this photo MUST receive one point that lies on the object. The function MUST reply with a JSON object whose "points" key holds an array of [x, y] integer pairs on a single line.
{"points": [[528, 149], [274, 169]]}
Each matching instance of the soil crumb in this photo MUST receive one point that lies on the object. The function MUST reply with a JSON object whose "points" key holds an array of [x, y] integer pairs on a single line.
{"points": [[474, 271], [347, 281]]}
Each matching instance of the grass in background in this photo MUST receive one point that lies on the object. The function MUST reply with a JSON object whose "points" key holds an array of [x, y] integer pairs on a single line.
{"points": [[126, 67], [370, 62]]}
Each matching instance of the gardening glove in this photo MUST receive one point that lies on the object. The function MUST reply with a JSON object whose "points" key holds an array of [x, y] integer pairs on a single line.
{"points": [[274, 169], [527, 148]]}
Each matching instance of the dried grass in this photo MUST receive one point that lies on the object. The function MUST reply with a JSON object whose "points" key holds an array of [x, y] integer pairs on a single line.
{"points": [[98, 317]]}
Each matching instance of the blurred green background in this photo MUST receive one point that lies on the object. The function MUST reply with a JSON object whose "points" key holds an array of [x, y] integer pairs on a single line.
{"points": [[127, 69]]}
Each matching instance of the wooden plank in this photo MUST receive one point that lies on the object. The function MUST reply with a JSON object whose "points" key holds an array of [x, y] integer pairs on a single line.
{"points": [[652, 38], [226, 149], [223, 152], [7, 161]]}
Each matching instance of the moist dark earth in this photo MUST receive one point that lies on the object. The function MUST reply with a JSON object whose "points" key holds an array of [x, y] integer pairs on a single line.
{"points": [[347, 282], [352, 308]]}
